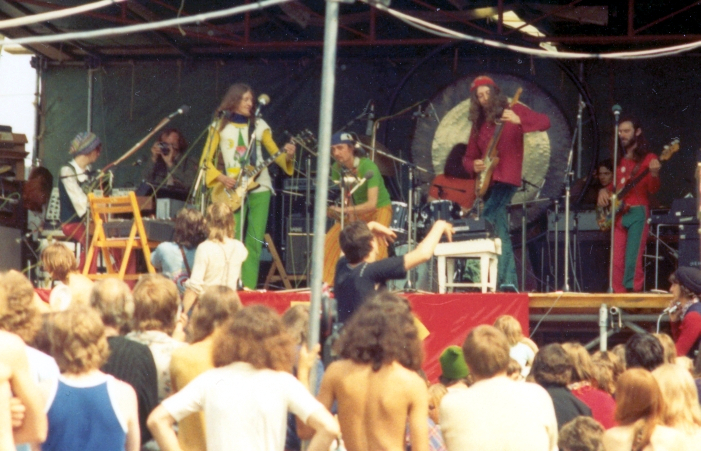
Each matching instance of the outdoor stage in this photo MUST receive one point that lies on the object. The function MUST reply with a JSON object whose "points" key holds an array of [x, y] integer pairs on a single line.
{"points": [[448, 317]]}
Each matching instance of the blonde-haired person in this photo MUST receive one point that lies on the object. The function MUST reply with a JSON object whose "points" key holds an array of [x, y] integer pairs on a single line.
{"points": [[215, 307], [71, 286], [607, 368], [88, 409], [584, 386], [155, 324], [681, 399], [640, 412], [247, 396], [219, 258], [521, 348]]}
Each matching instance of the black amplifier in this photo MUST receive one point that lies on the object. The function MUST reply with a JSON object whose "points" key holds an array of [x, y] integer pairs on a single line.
{"points": [[471, 229]]}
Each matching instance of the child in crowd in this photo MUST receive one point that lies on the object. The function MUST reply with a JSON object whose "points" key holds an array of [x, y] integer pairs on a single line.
{"points": [[71, 286]]}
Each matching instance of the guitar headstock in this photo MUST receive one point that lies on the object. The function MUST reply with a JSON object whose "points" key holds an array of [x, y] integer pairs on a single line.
{"points": [[669, 150], [305, 139]]}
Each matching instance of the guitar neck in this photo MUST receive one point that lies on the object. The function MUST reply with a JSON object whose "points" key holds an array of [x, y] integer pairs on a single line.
{"points": [[263, 164]]}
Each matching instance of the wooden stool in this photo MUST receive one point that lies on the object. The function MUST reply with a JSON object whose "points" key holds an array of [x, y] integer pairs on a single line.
{"points": [[486, 250]]}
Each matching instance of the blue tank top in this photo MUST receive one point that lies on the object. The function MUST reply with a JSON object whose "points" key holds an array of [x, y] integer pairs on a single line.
{"points": [[83, 418]]}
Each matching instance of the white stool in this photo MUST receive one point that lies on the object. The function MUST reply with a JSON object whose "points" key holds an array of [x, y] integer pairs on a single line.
{"points": [[486, 250]]}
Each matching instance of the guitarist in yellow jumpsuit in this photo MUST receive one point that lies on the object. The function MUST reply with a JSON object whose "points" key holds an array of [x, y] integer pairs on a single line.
{"points": [[231, 135]]}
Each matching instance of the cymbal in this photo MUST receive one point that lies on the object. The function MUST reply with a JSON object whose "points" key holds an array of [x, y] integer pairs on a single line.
{"points": [[386, 165]]}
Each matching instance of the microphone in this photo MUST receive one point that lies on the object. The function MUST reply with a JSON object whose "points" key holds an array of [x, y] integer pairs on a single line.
{"points": [[182, 110], [368, 175], [616, 109], [263, 100], [371, 119], [671, 309]]}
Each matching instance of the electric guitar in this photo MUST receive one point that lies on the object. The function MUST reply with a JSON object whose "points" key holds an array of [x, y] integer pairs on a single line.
{"points": [[484, 180], [246, 180], [603, 214]]}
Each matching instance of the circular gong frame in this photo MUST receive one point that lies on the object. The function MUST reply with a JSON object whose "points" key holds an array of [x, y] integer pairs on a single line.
{"points": [[545, 153]]}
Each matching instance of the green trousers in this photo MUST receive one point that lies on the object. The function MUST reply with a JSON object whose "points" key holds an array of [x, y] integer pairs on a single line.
{"points": [[256, 218]]}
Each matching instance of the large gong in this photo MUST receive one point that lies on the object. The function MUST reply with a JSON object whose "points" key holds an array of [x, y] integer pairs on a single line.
{"points": [[545, 153]]}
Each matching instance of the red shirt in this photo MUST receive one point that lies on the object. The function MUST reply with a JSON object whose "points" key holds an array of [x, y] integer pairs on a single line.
{"points": [[640, 195], [686, 332], [602, 404], [509, 147]]}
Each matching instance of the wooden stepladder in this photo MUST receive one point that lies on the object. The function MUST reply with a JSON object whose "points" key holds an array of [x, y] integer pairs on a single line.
{"points": [[100, 209], [279, 267]]}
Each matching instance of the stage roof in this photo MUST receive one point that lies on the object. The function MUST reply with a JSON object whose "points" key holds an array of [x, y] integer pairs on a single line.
{"points": [[594, 26]]}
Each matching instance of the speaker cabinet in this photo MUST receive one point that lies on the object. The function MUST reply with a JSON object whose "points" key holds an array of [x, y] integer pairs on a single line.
{"points": [[296, 253]]}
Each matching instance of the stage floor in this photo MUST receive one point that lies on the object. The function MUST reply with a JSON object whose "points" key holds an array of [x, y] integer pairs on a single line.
{"points": [[578, 301]]}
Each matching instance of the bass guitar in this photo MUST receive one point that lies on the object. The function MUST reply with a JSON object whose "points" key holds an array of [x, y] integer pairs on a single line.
{"points": [[603, 214], [491, 159], [246, 180]]}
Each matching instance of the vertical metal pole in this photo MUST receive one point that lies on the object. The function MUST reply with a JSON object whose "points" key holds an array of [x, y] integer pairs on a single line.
{"points": [[612, 204], [328, 82], [90, 92], [579, 126], [603, 323], [557, 242], [37, 108]]}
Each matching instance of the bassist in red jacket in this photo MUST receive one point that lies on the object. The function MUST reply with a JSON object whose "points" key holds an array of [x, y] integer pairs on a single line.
{"points": [[631, 227], [489, 105]]}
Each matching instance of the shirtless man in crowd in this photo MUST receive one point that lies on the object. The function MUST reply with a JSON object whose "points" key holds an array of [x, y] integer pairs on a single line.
{"points": [[14, 367], [375, 384]]}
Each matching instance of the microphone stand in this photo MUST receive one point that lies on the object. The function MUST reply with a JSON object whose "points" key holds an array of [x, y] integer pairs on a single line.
{"points": [[613, 199], [568, 188], [307, 220]]}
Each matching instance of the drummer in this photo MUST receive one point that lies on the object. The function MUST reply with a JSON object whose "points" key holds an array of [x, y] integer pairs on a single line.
{"points": [[370, 201]]}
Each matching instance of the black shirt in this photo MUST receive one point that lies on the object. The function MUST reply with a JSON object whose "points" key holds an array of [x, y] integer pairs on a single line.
{"points": [[133, 363], [353, 285]]}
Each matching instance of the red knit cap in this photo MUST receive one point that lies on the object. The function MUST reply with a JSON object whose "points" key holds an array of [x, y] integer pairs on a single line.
{"points": [[482, 80]]}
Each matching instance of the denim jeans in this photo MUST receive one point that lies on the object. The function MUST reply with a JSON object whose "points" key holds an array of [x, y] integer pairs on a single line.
{"points": [[498, 198]]}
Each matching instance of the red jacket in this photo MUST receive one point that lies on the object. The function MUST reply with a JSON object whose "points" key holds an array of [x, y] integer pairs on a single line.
{"points": [[640, 195], [510, 146]]}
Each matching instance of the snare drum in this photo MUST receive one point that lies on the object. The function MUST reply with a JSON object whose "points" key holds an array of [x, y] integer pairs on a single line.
{"points": [[399, 217]]}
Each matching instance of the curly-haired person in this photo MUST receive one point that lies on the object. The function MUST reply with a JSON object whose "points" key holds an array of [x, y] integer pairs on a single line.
{"points": [[376, 384], [88, 409], [246, 397]]}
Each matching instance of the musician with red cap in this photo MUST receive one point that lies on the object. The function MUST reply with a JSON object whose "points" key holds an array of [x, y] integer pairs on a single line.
{"points": [[489, 107]]}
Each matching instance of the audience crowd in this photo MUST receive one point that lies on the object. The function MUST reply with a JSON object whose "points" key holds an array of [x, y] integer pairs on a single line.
{"points": [[102, 366]]}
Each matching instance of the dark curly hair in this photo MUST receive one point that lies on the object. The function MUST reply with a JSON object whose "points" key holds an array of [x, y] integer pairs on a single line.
{"points": [[381, 331], [257, 336], [552, 366], [190, 228], [182, 142]]}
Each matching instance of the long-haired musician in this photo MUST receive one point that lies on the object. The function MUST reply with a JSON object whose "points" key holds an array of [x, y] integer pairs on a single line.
{"points": [[488, 106], [631, 228], [229, 142]]}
